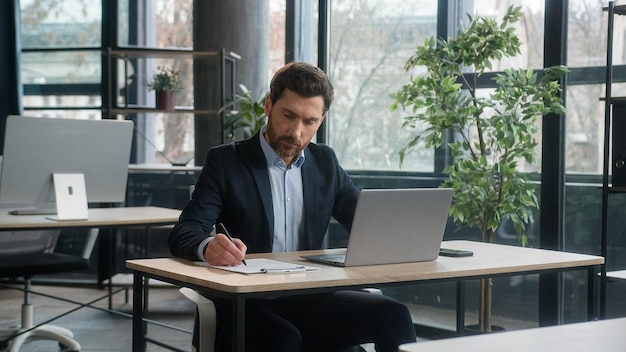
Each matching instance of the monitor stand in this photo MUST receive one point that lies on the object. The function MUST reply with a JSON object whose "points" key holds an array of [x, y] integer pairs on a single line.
{"points": [[71, 197]]}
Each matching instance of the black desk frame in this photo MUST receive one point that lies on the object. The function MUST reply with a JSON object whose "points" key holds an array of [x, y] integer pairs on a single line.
{"points": [[239, 299]]}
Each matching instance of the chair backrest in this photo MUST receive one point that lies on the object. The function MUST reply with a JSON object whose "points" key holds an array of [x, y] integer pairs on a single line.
{"points": [[26, 242]]}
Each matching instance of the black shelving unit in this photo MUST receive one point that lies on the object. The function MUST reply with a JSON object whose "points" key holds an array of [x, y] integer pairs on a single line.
{"points": [[111, 85], [614, 111], [228, 60]]}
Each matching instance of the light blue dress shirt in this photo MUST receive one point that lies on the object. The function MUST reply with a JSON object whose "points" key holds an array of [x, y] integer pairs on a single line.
{"points": [[287, 199]]}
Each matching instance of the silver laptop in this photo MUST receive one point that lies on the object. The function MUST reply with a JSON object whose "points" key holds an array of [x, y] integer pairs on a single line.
{"points": [[394, 226]]}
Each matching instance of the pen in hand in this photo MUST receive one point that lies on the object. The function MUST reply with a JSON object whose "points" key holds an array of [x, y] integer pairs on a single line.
{"points": [[229, 237]]}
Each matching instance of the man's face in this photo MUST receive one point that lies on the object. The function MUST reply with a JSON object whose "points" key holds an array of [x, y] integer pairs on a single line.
{"points": [[292, 123]]}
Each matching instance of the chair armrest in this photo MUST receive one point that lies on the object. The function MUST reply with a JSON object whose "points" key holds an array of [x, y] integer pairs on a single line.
{"points": [[206, 319], [375, 291]]}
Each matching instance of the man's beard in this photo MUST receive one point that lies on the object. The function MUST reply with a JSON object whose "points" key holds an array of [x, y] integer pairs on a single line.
{"points": [[275, 143]]}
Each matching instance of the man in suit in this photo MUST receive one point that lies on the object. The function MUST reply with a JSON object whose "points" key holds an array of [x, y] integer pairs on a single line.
{"points": [[276, 192]]}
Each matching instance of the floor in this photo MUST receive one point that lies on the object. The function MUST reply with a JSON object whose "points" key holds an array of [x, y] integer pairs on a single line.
{"points": [[101, 331]]}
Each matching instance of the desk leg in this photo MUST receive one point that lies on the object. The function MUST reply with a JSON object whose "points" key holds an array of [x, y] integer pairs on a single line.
{"points": [[550, 302], [104, 256], [460, 307], [592, 295], [112, 235], [139, 342], [239, 323]]}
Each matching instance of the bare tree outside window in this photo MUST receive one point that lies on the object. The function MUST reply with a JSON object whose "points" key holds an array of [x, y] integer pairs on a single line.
{"points": [[50, 25], [174, 133], [370, 41]]}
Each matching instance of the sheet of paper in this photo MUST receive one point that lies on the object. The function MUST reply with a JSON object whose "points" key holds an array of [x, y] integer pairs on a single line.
{"points": [[263, 266]]}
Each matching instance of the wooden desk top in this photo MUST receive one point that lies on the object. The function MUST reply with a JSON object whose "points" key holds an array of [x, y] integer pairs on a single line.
{"points": [[98, 217], [603, 335], [488, 260]]}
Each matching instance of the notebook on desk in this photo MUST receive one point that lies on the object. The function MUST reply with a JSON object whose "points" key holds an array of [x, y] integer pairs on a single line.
{"points": [[394, 226]]}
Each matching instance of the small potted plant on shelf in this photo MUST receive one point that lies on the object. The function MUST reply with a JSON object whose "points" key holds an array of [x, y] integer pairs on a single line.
{"points": [[165, 82]]}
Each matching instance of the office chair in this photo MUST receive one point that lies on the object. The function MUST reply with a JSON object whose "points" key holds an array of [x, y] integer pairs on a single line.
{"points": [[24, 254], [205, 314], [207, 320]]}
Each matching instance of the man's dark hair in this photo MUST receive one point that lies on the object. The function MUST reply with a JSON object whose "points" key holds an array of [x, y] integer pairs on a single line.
{"points": [[304, 79]]}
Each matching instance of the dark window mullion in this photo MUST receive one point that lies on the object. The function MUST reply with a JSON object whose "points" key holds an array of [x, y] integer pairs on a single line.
{"points": [[62, 89]]}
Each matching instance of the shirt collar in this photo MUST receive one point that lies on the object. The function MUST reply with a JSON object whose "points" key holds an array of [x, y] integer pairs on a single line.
{"points": [[272, 158]]}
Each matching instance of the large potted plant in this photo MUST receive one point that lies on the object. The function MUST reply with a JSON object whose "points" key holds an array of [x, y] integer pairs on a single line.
{"points": [[487, 134], [165, 82]]}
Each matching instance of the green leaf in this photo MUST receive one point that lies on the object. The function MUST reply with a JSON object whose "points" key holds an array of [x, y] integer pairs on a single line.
{"points": [[244, 114]]}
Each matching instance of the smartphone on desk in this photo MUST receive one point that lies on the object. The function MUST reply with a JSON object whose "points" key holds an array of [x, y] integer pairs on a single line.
{"points": [[447, 252]]}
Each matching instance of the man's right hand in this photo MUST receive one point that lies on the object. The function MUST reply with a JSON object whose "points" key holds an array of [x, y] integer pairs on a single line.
{"points": [[221, 251]]}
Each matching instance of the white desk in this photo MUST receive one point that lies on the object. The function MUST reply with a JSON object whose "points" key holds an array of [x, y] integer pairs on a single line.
{"points": [[617, 274], [97, 218], [489, 260], [121, 217], [603, 335]]}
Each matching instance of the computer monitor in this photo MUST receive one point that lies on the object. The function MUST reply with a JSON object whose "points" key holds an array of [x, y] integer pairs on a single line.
{"points": [[37, 147]]}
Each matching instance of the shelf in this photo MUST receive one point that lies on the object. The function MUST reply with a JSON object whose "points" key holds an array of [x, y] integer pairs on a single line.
{"points": [[115, 86], [617, 274], [614, 190], [609, 140], [144, 110], [617, 189], [88, 107], [153, 53], [615, 99], [617, 9]]}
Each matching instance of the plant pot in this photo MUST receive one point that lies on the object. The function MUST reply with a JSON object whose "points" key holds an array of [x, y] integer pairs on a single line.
{"points": [[475, 329], [165, 100]]}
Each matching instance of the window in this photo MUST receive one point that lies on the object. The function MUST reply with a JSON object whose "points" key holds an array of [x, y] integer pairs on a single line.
{"points": [[586, 50], [61, 58], [58, 24], [169, 138], [161, 137], [529, 30], [369, 44]]}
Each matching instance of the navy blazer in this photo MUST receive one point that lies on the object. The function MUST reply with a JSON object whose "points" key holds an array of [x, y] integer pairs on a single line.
{"points": [[234, 188]]}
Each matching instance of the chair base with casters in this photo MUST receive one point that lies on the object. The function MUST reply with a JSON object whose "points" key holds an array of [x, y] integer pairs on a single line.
{"points": [[26, 266]]}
